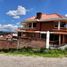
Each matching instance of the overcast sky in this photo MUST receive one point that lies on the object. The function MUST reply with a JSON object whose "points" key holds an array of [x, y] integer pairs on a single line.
{"points": [[12, 12]]}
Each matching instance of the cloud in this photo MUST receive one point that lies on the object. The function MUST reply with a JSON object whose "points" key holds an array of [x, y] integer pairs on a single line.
{"points": [[16, 17], [8, 27], [17, 13], [65, 15]]}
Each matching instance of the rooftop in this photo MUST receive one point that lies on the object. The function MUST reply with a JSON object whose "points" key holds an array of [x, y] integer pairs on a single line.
{"points": [[46, 17]]}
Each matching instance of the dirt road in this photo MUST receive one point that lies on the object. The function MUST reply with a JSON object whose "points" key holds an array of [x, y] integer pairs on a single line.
{"points": [[24, 61]]}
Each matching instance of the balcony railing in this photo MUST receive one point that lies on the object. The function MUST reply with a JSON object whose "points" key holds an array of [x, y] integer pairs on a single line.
{"points": [[62, 29], [28, 29]]}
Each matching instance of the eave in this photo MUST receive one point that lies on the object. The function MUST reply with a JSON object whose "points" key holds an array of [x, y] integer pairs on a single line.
{"points": [[45, 20]]}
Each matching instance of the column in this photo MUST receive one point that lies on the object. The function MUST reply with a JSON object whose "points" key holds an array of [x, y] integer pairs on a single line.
{"points": [[59, 40], [32, 25], [47, 39], [59, 25], [63, 39]]}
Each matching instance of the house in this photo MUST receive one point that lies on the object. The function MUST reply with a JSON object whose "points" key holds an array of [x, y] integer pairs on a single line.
{"points": [[48, 28]]}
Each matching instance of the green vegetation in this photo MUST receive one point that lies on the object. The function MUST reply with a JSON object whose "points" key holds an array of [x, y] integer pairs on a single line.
{"points": [[35, 52]]}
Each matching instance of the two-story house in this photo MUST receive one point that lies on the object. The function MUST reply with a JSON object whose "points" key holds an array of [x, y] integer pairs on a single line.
{"points": [[51, 28]]}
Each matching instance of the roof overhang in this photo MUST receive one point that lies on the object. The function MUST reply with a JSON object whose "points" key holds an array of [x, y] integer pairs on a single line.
{"points": [[45, 20]]}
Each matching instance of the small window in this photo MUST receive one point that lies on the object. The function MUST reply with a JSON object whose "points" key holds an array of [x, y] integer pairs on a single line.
{"points": [[30, 25], [19, 34], [65, 25], [56, 24], [34, 24], [43, 36], [61, 24], [54, 37]]}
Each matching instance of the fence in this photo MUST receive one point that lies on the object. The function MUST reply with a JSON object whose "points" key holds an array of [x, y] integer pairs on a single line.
{"points": [[6, 44], [20, 43]]}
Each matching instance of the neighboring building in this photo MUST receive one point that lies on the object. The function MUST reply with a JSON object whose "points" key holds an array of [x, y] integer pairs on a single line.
{"points": [[8, 35], [51, 28]]}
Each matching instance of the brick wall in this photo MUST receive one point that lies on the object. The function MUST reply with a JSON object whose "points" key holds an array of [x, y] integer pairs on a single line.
{"points": [[4, 44], [45, 26], [32, 43]]}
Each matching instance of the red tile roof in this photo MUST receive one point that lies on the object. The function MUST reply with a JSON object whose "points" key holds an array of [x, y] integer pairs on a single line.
{"points": [[47, 16]]}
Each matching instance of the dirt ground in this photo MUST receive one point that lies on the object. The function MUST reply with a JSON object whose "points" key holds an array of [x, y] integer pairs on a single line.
{"points": [[24, 61]]}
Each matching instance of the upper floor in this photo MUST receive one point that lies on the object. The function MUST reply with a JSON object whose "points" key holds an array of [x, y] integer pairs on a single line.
{"points": [[45, 22]]}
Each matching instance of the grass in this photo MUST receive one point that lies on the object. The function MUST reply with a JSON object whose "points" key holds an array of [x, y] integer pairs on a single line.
{"points": [[35, 52]]}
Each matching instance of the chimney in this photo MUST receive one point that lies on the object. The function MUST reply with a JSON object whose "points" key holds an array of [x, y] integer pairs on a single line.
{"points": [[38, 15]]}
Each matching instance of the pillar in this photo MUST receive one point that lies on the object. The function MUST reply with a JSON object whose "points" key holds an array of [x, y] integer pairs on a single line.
{"points": [[59, 40], [47, 39], [32, 25], [63, 39], [59, 25]]}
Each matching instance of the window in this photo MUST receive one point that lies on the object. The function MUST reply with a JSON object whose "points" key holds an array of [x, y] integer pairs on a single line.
{"points": [[61, 24], [31, 35], [65, 25], [56, 24], [30, 25], [54, 37], [43, 36], [19, 34], [34, 24]]}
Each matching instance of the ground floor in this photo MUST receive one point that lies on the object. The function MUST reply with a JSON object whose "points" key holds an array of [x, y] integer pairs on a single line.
{"points": [[49, 38]]}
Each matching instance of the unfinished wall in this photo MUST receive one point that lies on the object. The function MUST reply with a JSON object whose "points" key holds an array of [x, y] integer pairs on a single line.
{"points": [[20, 43], [32, 43], [4, 44], [45, 26]]}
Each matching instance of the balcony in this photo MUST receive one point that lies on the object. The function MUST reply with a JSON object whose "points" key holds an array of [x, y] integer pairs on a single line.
{"points": [[28, 29], [62, 29]]}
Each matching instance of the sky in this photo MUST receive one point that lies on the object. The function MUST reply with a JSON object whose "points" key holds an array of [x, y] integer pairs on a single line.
{"points": [[12, 12]]}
